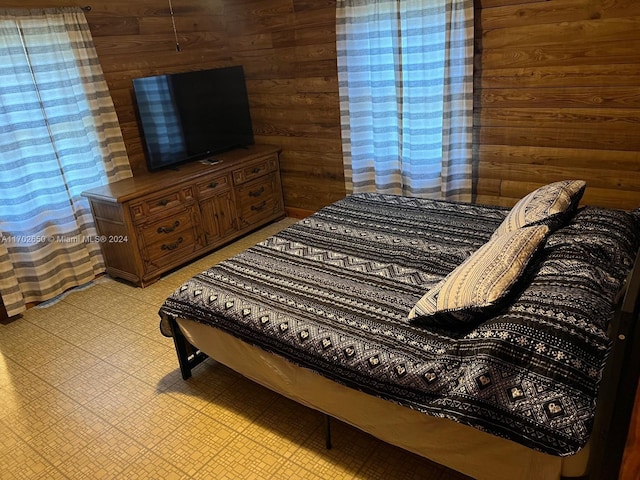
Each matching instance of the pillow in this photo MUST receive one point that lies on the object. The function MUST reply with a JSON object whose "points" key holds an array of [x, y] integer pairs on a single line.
{"points": [[476, 286], [549, 204]]}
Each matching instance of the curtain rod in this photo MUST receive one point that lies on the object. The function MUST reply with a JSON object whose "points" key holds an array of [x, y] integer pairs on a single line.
{"points": [[87, 8]]}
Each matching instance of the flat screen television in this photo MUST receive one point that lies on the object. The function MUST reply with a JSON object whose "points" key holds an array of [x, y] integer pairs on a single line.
{"points": [[192, 115]]}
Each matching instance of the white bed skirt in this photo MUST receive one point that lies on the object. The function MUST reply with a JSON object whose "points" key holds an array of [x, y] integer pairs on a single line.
{"points": [[462, 448]]}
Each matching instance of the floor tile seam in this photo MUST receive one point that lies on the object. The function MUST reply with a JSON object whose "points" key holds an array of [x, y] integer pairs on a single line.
{"points": [[100, 412], [75, 404], [236, 379], [275, 475], [298, 444], [78, 338], [186, 402], [160, 393], [25, 443], [252, 420], [120, 372], [210, 416], [84, 443], [148, 353], [65, 339], [38, 322], [8, 428], [111, 352], [87, 307], [117, 426], [115, 286], [297, 462], [34, 368], [214, 451], [150, 383], [185, 475], [99, 360], [284, 460], [42, 330], [114, 428], [161, 338], [105, 317], [22, 405], [56, 389], [119, 468], [50, 468], [162, 387]]}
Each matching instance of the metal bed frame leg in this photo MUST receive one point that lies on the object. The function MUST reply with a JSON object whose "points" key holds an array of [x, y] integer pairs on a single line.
{"points": [[188, 355], [328, 432]]}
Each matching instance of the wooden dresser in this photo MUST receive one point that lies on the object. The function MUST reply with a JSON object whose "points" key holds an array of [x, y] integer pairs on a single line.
{"points": [[152, 223]]}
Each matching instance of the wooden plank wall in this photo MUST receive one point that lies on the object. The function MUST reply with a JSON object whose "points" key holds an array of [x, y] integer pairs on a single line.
{"points": [[557, 95], [288, 49], [556, 86]]}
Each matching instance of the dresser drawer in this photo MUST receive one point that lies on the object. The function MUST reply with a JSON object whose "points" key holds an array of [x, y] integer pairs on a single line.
{"points": [[166, 229], [256, 200], [256, 192], [159, 204], [213, 186], [165, 242], [255, 169], [170, 247]]}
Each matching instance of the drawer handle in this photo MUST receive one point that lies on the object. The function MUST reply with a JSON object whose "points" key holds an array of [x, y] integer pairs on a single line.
{"points": [[164, 202], [213, 184], [169, 229], [256, 170], [172, 246], [260, 206], [257, 193]]}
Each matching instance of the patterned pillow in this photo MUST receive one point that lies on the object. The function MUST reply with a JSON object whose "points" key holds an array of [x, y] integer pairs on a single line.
{"points": [[549, 204], [480, 282]]}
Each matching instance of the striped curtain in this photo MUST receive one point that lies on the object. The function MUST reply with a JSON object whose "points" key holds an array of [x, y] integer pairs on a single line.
{"points": [[59, 136], [405, 71]]}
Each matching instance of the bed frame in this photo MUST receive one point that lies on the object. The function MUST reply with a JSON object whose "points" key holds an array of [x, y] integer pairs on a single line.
{"points": [[617, 389]]}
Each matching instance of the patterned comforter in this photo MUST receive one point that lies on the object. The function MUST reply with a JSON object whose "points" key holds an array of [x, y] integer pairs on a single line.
{"points": [[332, 293]]}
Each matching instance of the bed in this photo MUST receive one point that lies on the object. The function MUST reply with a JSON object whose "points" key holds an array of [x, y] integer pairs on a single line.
{"points": [[490, 340]]}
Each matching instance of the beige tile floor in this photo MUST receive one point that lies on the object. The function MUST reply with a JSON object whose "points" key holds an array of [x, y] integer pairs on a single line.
{"points": [[89, 388]]}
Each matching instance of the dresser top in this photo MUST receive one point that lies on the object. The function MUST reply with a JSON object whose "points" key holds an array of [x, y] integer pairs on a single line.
{"points": [[141, 184]]}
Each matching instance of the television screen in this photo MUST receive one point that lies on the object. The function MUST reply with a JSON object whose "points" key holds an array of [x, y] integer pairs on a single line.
{"points": [[193, 115]]}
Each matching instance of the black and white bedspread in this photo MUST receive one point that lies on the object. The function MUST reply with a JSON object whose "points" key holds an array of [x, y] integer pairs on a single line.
{"points": [[332, 293]]}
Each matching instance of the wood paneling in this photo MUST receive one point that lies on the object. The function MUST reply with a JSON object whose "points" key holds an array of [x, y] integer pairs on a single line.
{"points": [[556, 86], [288, 52], [557, 96]]}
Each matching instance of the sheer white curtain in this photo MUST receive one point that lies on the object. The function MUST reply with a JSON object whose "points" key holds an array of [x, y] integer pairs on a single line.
{"points": [[59, 135], [405, 70]]}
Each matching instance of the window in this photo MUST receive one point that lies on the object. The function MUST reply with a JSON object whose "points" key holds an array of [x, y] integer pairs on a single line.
{"points": [[59, 136], [405, 71]]}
